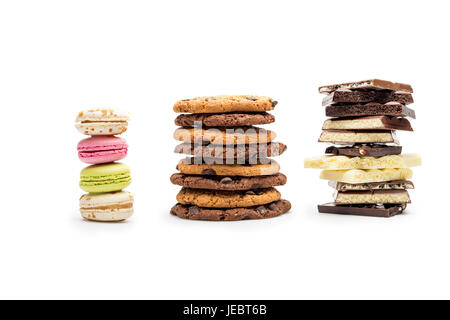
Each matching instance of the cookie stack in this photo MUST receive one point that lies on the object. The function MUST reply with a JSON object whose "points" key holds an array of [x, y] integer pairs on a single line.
{"points": [[229, 175], [365, 164], [104, 179]]}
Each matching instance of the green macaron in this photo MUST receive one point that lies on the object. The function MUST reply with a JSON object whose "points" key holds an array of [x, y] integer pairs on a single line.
{"points": [[105, 177]]}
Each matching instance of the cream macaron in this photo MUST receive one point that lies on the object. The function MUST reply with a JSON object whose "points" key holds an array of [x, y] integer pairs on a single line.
{"points": [[113, 206], [102, 122]]}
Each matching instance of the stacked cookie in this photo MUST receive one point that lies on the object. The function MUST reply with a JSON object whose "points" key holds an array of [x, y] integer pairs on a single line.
{"points": [[365, 164], [104, 179], [229, 175]]}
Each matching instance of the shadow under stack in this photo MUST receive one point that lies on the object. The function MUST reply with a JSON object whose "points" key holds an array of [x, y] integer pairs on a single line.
{"points": [[228, 174], [365, 164]]}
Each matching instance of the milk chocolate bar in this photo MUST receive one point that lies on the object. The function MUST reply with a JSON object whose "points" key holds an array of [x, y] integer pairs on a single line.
{"points": [[368, 123], [373, 197], [383, 210], [370, 109], [371, 150], [349, 96], [388, 185], [362, 136], [373, 84]]}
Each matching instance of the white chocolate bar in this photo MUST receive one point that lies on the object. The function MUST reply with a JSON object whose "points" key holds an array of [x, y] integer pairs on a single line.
{"points": [[356, 137], [330, 162], [366, 176], [377, 196]]}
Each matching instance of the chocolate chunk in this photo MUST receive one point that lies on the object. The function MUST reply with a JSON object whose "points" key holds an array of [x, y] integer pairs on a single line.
{"points": [[262, 210], [273, 207], [193, 210], [375, 150], [373, 84], [359, 97], [226, 180], [389, 185], [370, 109], [209, 172], [368, 123], [251, 98], [385, 210], [274, 103]]}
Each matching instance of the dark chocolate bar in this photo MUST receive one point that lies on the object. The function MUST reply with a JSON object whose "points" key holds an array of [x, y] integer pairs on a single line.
{"points": [[363, 210], [372, 150], [389, 185], [373, 84], [370, 109], [349, 96]]}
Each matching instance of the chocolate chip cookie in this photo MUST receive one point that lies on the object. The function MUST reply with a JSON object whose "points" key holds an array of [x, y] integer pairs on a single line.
{"points": [[227, 199], [225, 104], [224, 119], [190, 166], [270, 210], [231, 183], [241, 135], [245, 152]]}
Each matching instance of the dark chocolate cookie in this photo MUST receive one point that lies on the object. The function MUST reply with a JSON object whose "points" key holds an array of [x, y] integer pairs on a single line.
{"points": [[228, 183], [246, 152], [224, 119], [270, 210]]}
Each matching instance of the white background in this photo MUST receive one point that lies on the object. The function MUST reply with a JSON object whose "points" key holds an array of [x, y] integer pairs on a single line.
{"points": [[59, 57]]}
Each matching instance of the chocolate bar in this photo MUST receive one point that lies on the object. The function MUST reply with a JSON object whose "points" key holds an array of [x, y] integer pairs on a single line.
{"points": [[374, 84], [349, 96], [329, 162], [372, 150], [370, 109], [373, 196], [383, 210], [389, 185], [366, 176], [368, 123], [362, 136]]}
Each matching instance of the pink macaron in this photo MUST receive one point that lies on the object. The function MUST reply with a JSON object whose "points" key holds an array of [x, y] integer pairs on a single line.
{"points": [[102, 149]]}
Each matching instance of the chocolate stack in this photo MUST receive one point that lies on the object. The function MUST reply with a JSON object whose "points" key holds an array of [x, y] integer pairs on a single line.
{"points": [[228, 174], [365, 164]]}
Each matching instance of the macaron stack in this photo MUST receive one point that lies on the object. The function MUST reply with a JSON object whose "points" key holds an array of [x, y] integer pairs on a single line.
{"points": [[365, 164], [104, 179], [229, 175]]}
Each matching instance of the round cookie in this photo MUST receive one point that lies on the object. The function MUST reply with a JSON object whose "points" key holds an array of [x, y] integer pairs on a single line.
{"points": [[227, 199], [225, 104], [228, 183], [105, 177], [188, 166], [270, 210], [244, 135], [244, 152], [102, 149], [102, 122], [113, 206], [224, 119]]}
